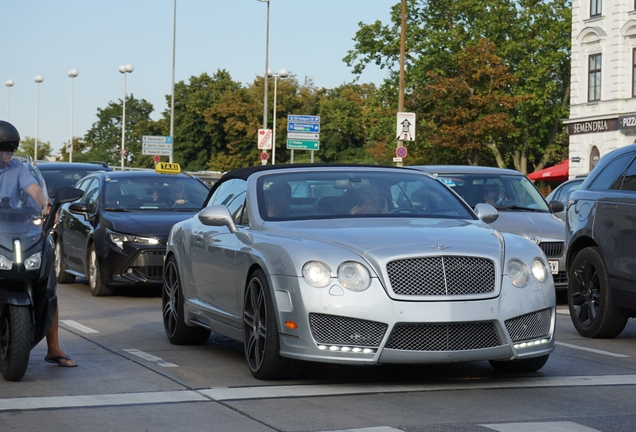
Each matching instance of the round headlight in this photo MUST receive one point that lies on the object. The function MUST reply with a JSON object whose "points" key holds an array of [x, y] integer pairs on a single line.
{"points": [[518, 273], [317, 274], [539, 270], [354, 276]]}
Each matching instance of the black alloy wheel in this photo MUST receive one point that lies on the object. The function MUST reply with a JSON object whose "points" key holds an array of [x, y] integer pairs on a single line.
{"points": [[98, 289], [177, 331], [590, 300], [16, 338]]}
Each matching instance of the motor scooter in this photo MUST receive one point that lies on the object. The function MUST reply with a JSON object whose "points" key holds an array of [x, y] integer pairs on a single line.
{"points": [[28, 299]]}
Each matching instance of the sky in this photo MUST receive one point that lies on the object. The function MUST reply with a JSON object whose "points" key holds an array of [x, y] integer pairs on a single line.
{"points": [[48, 38]]}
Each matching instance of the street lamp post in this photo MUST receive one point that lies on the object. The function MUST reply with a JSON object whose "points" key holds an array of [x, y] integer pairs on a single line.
{"points": [[266, 70], [69, 149], [174, 48], [38, 79], [124, 69], [9, 84], [283, 73]]}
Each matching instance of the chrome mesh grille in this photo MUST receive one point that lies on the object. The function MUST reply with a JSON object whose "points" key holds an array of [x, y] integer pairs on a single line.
{"points": [[552, 249], [337, 330], [444, 337], [442, 275], [529, 326], [149, 264]]}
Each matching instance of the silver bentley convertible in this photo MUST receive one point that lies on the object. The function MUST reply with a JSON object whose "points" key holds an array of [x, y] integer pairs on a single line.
{"points": [[358, 265]]}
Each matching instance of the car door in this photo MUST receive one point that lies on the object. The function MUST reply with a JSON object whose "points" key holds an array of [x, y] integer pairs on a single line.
{"points": [[78, 227], [615, 222], [215, 270]]}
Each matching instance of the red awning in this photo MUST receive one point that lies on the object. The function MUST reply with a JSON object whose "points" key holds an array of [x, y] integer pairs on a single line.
{"points": [[557, 173]]}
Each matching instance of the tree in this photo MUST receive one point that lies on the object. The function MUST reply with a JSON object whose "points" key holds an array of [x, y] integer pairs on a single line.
{"points": [[27, 148]]}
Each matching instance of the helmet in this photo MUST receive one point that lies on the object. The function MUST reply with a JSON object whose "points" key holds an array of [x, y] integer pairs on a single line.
{"points": [[9, 137]]}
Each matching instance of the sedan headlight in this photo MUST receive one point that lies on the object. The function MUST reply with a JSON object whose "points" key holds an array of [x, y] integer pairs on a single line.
{"points": [[354, 276], [5, 263], [119, 239], [33, 262], [539, 270], [518, 273], [317, 274]]}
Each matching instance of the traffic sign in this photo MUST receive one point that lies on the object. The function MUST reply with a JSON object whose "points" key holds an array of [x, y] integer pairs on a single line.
{"points": [[295, 144], [405, 126], [154, 152], [264, 156], [303, 127], [303, 118], [303, 135], [156, 158], [400, 151], [156, 139], [264, 139]]}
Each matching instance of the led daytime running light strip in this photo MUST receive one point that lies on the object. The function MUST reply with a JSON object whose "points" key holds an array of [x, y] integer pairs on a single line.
{"points": [[17, 247], [346, 349], [531, 343]]}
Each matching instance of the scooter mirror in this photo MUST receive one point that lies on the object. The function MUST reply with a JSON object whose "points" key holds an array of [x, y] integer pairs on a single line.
{"points": [[63, 195]]}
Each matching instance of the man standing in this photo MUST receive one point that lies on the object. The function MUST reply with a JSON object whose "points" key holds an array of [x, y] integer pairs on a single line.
{"points": [[15, 178]]}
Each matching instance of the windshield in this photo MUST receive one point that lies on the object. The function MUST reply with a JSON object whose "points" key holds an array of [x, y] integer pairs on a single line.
{"points": [[504, 192], [58, 178], [154, 192], [313, 194], [18, 212]]}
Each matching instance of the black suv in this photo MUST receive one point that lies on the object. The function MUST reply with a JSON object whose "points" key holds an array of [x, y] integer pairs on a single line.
{"points": [[601, 246]]}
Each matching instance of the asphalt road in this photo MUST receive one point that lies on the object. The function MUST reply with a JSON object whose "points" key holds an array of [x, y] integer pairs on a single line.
{"points": [[130, 378]]}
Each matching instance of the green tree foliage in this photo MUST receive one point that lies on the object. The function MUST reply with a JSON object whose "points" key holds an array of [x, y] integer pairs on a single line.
{"points": [[103, 140], [532, 38], [27, 148]]}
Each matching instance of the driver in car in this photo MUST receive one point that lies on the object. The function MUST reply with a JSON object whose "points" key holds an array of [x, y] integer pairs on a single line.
{"points": [[15, 177]]}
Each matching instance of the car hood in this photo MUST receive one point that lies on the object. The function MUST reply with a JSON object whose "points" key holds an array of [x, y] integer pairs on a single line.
{"points": [[399, 236], [150, 223], [544, 226]]}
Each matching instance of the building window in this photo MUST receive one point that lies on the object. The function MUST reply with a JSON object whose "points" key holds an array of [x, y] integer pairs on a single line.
{"points": [[594, 85], [596, 7]]}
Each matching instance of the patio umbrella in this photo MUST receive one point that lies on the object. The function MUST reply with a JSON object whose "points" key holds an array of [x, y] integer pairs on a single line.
{"points": [[557, 173]]}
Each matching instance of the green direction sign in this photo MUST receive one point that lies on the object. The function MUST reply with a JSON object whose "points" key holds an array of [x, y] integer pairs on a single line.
{"points": [[296, 144]]}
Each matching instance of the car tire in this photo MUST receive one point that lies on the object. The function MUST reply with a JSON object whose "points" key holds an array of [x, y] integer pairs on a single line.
{"points": [[173, 312], [16, 340], [98, 289], [261, 336], [590, 300], [60, 269], [518, 366]]}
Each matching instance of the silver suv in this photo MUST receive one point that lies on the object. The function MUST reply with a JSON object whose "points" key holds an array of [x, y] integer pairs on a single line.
{"points": [[601, 246]]}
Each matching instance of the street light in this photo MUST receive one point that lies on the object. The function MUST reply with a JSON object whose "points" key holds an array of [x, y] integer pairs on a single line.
{"points": [[266, 70], [38, 79], [9, 84], [174, 48], [124, 69], [72, 73], [283, 73]]}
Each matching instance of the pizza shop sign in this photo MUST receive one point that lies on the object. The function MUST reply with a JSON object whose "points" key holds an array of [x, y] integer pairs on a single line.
{"points": [[593, 126]]}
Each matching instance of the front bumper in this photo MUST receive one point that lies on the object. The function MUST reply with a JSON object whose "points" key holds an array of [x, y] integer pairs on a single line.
{"points": [[340, 326], [132, 265]]}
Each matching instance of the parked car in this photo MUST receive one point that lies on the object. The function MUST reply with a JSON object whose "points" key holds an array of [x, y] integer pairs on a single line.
{"points": [[358, 265], [60, 174], [601, 246], [522, 209], [562, 193], [116, 234]]}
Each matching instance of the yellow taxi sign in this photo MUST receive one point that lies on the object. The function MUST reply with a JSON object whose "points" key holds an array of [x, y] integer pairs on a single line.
{"points": [[168, 168]]}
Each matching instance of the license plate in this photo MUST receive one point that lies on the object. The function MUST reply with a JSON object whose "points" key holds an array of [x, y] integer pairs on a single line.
{"points": [[554, 267]]}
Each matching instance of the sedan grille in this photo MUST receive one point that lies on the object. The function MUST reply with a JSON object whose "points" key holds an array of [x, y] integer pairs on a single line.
{"points": [[552, 249], [529, 326], [442, 276], [337, 330], [149, 264], [444, 337]]}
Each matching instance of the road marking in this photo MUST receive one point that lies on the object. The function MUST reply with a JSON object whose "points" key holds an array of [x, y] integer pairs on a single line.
{"points": [[100, 400], [563, 311], [561, 426], [78, 326], [269, 392], [607, 353], [144, 355]]}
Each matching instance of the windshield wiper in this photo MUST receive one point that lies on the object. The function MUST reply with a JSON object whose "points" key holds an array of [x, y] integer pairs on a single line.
{"points": [[118, 209], [515, 207]]}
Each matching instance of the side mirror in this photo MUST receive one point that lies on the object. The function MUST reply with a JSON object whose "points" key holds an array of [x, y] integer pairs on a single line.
{"points": [[217, 215], [78, 208], [63, 195], [556, 206], [486, 212]]}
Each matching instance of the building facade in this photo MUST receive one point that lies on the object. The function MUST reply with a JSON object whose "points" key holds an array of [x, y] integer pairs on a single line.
{"points": [[603, 87]]}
